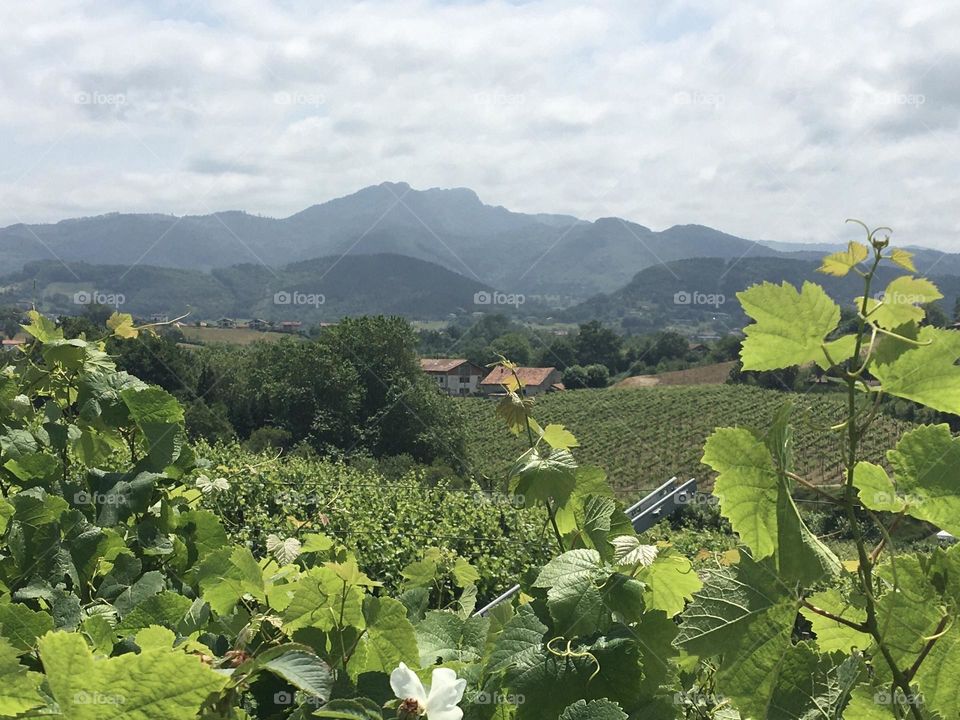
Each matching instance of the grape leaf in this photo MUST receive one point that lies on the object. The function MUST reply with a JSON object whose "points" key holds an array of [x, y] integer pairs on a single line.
{"points": [[925, 463], [593, 710], [444, 636], [789, 327], [926, 374], [19, 689], [840, 263], [899, 303], [388, 641], [153, 683], [831, 635]]}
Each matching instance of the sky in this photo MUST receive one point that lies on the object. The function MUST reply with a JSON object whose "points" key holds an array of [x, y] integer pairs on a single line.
{"points": [[771, 121]]}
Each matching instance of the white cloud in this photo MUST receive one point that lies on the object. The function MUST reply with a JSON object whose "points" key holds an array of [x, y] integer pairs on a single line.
{"points": [[764, 121]]}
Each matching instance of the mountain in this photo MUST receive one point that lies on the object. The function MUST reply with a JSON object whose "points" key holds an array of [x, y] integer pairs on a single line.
{"points": [[322, 289], [703, 292], [561, 258]]}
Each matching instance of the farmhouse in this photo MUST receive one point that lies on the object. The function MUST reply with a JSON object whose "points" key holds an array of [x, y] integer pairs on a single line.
{"points": [[11, 345], [455, 376], [535, 381]]}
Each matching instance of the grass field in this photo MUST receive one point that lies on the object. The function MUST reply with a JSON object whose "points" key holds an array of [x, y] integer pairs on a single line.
{"points": [[642, 437], [229, 336]]}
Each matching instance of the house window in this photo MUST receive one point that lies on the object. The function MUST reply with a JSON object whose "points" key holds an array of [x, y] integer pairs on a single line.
{"points": [[464, 380]]}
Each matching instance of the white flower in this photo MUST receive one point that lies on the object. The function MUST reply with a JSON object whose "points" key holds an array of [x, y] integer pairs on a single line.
{"points": [[206, 485], [440, 702]]}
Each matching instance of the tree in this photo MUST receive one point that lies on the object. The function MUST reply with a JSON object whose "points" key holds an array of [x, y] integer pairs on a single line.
{"points": [[559, 353], [575, 377], [667, 345], [598, 344], [514, 346], [597, 376], [10, 321]]}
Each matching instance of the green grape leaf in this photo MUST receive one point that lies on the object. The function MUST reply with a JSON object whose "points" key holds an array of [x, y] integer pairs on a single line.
{"points": [[300, 667], [464, 573], [729, 603], [539, 476], [831, 635], [227, 575], [593, 710], [153, 683], [925, 463], [628, 552], [356, 709], [746, 486], [789, 327], [389, 640], [837, 352], [557, 436], [522, 635], [926, 374], [757, 501], [122, 325], [876, 489], [751, 667], [903, 258], [165, 609], [445, 636], [939, 675], [624, 595], [840, 263], [22, 626], [670, 582], [42, 328], [324, 601], [19, 691], [899, 303]]}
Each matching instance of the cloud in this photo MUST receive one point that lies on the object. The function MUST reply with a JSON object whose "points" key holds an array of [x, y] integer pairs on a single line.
{"points": [[770, 122]]}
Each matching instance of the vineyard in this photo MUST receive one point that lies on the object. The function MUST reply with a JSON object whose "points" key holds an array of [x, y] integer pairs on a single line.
{"points": [[643, 436], [143, 576]]}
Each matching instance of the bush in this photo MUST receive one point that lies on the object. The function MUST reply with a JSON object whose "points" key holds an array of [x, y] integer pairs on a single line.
{"points": [[386, 521]]}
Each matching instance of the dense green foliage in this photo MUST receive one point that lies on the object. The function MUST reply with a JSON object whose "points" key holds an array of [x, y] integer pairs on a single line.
{"points": [[644, 436], [355, 389], [385, 521]]}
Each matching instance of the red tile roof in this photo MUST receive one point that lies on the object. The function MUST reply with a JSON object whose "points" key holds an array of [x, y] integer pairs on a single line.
{"points": [[528, 376], [440, 364]]}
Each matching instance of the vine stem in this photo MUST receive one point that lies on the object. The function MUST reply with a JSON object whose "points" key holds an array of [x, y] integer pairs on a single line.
{"points": [[854, 436], [861, 627]]}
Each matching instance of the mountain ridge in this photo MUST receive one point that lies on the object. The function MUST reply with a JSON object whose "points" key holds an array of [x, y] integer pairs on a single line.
{"points": [[452, 227]]}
